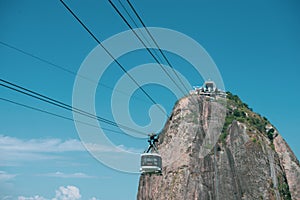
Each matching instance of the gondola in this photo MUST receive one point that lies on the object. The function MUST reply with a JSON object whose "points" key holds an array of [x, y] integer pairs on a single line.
{"points": [[151, 162]]}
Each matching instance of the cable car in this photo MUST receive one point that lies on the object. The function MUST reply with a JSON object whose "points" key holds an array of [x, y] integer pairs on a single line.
{"points": [[151, 162]]}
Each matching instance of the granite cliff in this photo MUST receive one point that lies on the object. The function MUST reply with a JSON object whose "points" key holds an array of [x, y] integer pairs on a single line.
{"points": [[202, 159]]}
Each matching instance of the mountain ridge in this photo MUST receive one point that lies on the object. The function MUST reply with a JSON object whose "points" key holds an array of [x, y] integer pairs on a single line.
{"points": [[246, 158]]}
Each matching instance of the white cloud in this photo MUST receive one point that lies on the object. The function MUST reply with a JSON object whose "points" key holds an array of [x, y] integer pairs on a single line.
{"points": [[13, 150], [100, 148], [8, 197], [4, 176], [93, 198], [67, 193], [37, 197], [6, 185], [64, 175], [12, 144], [116, 149]]}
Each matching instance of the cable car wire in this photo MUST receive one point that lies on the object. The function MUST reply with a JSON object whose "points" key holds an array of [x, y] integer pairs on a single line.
{"points": [[57, 115], [156, 44], [41, 59], [47, 101], [66, 70], [109, 53], [152, 38], [140, 31], [154, 41], [60, 104], [143, 43]]}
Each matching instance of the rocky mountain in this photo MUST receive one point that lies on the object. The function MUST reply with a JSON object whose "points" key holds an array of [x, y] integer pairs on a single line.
{"points": [[202, 159]]}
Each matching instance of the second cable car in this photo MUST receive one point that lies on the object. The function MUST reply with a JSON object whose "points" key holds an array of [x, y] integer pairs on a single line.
{"points": [[151, 162]]}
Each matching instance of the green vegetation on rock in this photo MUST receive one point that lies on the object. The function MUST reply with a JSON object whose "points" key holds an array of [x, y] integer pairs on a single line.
{"points": [[283, 188], [241, 112]]}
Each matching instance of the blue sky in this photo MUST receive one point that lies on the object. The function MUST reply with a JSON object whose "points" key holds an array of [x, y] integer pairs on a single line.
{"points": [[255, 45]]}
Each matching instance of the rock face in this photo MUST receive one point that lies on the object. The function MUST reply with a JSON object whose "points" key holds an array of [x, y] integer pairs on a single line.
{"points": [[245, 159], [290, 164]]}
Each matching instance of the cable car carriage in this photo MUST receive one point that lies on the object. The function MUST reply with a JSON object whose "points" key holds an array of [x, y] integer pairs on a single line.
{"points": [[151, 162]]}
